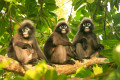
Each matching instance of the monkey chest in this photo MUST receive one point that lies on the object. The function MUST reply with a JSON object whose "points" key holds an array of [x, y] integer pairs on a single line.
{"points": [[30, 42], [88, 38], [29, 48]]}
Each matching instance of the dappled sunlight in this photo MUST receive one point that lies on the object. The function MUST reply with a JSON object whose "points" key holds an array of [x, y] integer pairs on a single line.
{"points": [[65, 9], [118, 48]]}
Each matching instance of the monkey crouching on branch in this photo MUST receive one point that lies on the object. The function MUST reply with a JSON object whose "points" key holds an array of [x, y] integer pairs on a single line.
{"points": [[85, 40], [57, 47], [24, 47]]}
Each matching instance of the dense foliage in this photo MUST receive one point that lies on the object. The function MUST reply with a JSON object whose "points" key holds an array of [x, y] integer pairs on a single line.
{"points": [[41, 12]]}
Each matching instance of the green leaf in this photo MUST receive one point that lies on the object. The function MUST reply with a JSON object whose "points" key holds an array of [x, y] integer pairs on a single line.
{"points": [[109, 16], [117, 19], [49, 1], [51, 7], [62, 77], [13, 11], [2, 2], [90, 1], [51, 75], [83, 72], [8, 0], [85, 13], [41, 68], [116, 54], [78, 3], [111, 76]]}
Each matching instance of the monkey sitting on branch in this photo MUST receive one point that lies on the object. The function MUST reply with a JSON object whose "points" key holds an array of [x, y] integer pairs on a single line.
{"points": [[85, 41], [57, 47], [24, 47]]}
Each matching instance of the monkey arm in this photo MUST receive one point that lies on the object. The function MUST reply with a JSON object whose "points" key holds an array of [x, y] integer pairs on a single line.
{"points": [[40, 53], [57, 40], [96, 45], [21, 55], [23, 45], [100, 47], [83, 41], [78, 39], [38, 50], [71, 51]]}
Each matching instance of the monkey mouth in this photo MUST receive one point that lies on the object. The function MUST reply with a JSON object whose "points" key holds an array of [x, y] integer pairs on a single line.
{"points": [[63, 31], [87, 29], [25, 35]]}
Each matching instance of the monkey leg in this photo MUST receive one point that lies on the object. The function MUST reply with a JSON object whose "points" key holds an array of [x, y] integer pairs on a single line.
{"points": [[95, 54], [22, 55], [59, 56], [80, 51], [71, 51]]}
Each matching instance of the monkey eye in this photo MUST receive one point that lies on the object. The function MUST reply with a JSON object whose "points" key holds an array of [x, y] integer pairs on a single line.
{"points": [[84, 24], [27, 29], [65, 27], [88, 24], [60, 27]]}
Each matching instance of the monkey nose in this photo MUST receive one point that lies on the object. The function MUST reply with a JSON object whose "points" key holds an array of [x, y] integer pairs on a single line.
{"points": [[63, 31], [87, 27]]}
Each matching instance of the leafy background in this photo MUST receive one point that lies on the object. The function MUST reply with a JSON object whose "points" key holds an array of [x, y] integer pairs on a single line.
{"points": [[46, 13]]}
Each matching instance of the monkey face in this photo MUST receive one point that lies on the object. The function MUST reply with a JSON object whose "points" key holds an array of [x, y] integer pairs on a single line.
{"points": [[86, 26], [63, 29], [26, 32]]}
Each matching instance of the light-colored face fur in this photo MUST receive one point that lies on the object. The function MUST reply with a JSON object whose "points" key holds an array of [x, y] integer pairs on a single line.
{"points": [[87, 26], [26, 32], [63, 28]]}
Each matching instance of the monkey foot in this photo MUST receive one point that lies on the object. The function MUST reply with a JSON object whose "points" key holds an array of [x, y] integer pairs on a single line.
{"points": [[70, 62], [51, 64], [81, 61], [87, 58]]}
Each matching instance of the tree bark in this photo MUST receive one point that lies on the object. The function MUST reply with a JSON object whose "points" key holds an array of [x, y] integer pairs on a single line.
{"points": [[16, 67]]}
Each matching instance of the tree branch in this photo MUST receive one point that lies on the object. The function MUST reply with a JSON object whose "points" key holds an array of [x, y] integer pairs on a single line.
{"points": [[11, 25], [67, 69], [105, 12], [96, 10], [14, 66]]}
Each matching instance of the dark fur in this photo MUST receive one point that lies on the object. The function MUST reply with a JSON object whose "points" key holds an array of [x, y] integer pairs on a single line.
{"points": [[86, 43], [20, 48], [57, 43]]}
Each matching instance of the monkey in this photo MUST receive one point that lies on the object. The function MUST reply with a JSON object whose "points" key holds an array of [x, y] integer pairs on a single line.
{"points": [[58, 48], [23, 46], [85, 40]]}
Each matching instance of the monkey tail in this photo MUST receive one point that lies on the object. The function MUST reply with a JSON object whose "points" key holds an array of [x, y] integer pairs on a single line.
{"points": [[10, 47]]}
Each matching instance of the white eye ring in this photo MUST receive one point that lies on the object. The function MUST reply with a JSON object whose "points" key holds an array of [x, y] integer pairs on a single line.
{"points": [[60, 27], [65, 27], [84, 24], [88, 24], [27, 29]]}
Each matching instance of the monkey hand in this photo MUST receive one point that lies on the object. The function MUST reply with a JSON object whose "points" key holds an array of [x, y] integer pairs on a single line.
{"points": [[81, 60], [100, 47], [84, 43], [69, 44], [70, 62], [51, 64], [84, 46], [27, 46]]}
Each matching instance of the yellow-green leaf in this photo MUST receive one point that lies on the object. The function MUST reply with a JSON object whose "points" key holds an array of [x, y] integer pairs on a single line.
{"points": [[97, 70], [90, 1]]}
